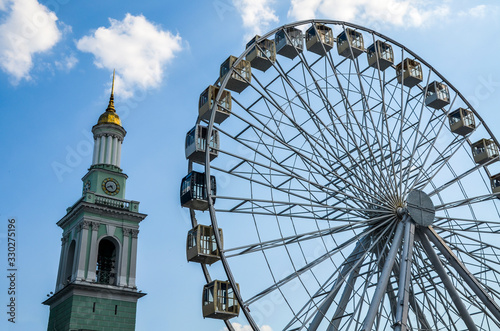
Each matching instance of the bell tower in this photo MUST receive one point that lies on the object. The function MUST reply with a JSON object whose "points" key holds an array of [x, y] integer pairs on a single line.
{"points": [[95, 288]]}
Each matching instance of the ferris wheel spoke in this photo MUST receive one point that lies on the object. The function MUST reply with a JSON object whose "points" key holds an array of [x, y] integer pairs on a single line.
{"points": [[335, 134], [344, 300], [350, 267], [385, 120], [337, 282], [456, 178], [306, 160], [417, 130], [435, 298], [484, 263], [362, 292], [367, 109], [351, 114], [421, 273], [327, 105], [467, 201], [287, 176], [290, 240], [307, 267], [442, 156], [459, 305], [293, 208], [451, 232]]}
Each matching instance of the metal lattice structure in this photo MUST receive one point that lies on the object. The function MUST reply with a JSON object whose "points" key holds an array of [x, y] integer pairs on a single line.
{"points": [[355, 187]]}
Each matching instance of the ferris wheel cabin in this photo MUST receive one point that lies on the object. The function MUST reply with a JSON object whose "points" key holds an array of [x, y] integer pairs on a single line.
{"points": [[201, 246], [350, 43], [262, 54], [194, 191], [495, 184], [241, 75], [207, 99], [380, 55], [219, 300], [437, 95], [484, 150], [409, 72], [289, 42], [196, 144], [319, 39], [462, 121]]}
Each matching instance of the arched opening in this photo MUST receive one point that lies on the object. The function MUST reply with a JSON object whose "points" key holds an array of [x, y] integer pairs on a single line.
{"points": [[106, 262], [69, 263]]}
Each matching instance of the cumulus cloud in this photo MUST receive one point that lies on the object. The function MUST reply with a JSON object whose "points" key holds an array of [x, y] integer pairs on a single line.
{"points": [[401, 13], [138, 49], [257, 15], [239, 327], [28, 28]]}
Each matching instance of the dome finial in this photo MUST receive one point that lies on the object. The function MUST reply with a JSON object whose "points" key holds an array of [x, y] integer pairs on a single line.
{"points": [[111, 105]]}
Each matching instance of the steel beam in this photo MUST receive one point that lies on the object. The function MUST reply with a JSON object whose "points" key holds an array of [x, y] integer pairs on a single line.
{"points": [[467, 276], [404, 275], [462, 310], [384, 279], [356, 255], [344, 299]]}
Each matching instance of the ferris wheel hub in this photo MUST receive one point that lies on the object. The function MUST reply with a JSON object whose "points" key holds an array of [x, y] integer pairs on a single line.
{"points": [[420, 208]]}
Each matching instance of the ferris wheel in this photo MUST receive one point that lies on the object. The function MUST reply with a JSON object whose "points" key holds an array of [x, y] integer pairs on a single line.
{"points": [[337, 181]]}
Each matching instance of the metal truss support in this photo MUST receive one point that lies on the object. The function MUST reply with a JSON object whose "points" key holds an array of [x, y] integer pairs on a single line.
{"points": [[466, 275], [383, 279], [404, 275], [462, 310]]}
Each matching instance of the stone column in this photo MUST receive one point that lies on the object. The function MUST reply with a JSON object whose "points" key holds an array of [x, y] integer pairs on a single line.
{"points": [[122, 281], [102, 149], [95, 157], [115, 150], [119, 153], [91, 276], [133, 258], [109, 143], [82, 249]]}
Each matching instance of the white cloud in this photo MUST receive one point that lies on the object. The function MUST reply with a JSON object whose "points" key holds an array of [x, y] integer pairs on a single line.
{"points": [[257, 15], [29, 28], [476, 12], [239, 327], [136, 48], [401, 13], [67, 63]]}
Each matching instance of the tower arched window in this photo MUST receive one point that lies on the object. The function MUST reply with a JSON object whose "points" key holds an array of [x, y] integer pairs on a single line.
{"points": [[106, 262], [68, 272]]}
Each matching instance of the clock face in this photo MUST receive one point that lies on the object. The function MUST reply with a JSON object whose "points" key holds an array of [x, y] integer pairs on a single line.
{"points": [[110, 186]]}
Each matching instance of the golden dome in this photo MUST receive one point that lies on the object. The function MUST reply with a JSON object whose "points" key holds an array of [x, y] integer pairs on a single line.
{"points": [[110, 116]]}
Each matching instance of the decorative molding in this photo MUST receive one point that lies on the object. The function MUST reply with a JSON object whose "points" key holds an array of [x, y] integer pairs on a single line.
{"points": [[85, 225], [135, 233], [64, 239], [127, 231], [95, 226]]}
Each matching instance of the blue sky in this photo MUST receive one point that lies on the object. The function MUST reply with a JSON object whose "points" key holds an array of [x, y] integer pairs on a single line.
{"points": [[57, 59]]}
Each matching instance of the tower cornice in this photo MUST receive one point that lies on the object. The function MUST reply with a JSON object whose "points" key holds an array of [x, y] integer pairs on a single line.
{"points": [[89, 203]]}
